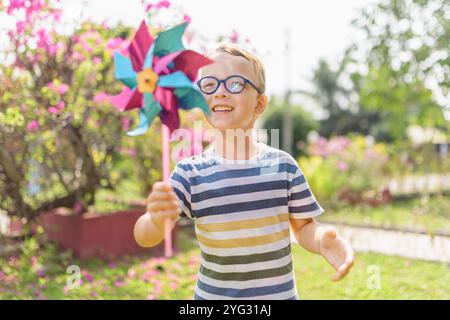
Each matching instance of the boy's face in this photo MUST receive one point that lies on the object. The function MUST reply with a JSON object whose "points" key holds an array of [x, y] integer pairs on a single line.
{"points": [[246, 105]]}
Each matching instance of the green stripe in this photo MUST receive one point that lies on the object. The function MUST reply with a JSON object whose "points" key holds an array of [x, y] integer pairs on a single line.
{"points": [[252, 258], [251, 275]]}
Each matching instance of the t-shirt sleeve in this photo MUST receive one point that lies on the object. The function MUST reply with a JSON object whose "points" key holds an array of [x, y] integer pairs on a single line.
{"points": [[301, 201], [179, 179]]}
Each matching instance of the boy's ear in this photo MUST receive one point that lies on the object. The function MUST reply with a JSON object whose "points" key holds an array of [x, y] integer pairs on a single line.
{"points": [[261, 104]]}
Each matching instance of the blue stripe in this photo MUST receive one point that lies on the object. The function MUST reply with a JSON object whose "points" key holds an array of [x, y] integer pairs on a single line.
{"points": [[297, 181], [175, 176], [240, 173], [242, 206], [249, 292], [199, 166], [306, 208], [242, 189], [301, 195], [182, 197]]}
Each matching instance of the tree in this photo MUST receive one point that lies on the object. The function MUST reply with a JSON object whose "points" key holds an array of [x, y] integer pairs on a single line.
{"points": [[407, 62], [57, 142]]}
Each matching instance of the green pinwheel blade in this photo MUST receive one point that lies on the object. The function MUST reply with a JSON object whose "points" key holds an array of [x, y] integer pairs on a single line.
{"points": [[146, 115], [124, 70], [152, 108], [169, 41], [189, 98]]}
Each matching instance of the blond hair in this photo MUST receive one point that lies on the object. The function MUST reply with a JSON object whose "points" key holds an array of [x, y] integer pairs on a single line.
{"points": [[257, 64]]}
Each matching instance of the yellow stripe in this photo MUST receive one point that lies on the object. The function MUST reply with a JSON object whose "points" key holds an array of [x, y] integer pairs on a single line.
{"points": [[244, 242], [243, 224]]}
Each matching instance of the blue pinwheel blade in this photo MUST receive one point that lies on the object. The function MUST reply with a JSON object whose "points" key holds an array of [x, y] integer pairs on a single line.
{"points": [[175, 80], [189, 98], [124, 70], [169, 41], [143, 125], [148, 62]]}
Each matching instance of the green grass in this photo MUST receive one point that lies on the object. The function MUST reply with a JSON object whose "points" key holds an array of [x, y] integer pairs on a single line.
{"points": [[40, 272], [429, 213]]}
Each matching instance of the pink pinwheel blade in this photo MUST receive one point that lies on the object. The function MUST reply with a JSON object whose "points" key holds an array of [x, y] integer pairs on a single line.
{"points": [[161, 64], [169, 114], [126, 100], [139, 46], [189, 62]]}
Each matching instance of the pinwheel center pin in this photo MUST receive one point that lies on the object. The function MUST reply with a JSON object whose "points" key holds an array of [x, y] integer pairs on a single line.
{"points": [[147, 80]]}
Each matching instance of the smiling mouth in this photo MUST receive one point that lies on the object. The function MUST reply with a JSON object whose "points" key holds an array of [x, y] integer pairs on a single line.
{"points": [[222, 109]]}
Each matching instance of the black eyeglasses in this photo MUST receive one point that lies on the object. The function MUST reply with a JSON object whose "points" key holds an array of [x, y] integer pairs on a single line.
{"points": [[234, 84]]}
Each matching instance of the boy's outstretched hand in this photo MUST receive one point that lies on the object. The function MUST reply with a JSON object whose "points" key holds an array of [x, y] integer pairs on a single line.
{"points": [[337, 252]]}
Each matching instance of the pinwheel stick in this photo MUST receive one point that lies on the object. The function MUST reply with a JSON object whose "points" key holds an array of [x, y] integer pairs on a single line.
{"points": [[166, 173]]}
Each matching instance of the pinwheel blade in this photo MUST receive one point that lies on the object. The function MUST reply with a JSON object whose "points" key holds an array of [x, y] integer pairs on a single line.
{"points": [[175, 80], [169, 41], [139, 46], [126, 100], [189, 98], [143, 125], [189, 62], [124, 70]]}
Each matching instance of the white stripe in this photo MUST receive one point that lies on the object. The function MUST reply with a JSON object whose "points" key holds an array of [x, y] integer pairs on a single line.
{"points": [[239, 198], [248, 267], [243, 215], [247, 283], [247, 250], [301, 202], [277, 296], [243, 233], [268, 162], [237, 181]]}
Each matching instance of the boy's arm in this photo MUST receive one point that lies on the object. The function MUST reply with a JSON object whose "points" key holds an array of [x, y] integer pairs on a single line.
{"points": [[324, 241], [162, 204]]}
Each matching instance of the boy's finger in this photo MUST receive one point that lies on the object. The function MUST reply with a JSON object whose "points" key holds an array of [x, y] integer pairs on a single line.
{"points": [[160, 216], [160, 205], [341, 272], [162, 186], [158, 195]]}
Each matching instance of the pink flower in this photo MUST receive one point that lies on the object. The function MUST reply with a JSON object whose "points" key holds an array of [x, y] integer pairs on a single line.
{"points": [[119, 284], [234, 37], [33, 126], [88, 276], [78, 208], [61, 89], [20, 26], [187, 18], [125, 123], [173, 285], [342, 166], [163, 4], [57, 108]]}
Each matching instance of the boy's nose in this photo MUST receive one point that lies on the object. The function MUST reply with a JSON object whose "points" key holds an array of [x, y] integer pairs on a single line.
{"points": [[221, 91]]}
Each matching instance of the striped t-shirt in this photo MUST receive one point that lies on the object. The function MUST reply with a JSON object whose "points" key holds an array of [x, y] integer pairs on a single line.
{"points": [[241, 210]]}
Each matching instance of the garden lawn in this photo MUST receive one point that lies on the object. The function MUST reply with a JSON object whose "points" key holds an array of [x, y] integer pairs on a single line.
{"points": [[430, 214], [41, 273]]}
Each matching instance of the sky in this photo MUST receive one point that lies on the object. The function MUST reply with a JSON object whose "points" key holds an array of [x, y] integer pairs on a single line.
{"points": [[318, 29]]}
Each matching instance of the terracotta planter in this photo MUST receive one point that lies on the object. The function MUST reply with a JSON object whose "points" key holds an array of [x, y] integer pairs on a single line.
{"points": [[105, 236]]}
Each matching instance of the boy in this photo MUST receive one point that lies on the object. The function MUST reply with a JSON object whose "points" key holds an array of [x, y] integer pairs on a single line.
{"points": [[243, 197]]}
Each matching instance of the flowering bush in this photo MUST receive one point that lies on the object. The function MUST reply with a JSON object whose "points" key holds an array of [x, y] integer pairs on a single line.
{"points": [[343, 167]]}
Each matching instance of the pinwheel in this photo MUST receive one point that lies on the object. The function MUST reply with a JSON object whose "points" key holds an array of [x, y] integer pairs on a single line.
{"points": [[159, 76]]}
